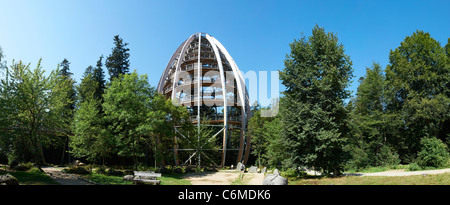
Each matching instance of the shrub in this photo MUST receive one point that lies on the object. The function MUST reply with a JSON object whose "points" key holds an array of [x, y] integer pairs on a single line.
{"points": [[434, 153], [413, 167], [178, 170], [387, 157], [23, 166], [112, 172], [291, 172], [359, 159], [101, 170], [34, 170]]}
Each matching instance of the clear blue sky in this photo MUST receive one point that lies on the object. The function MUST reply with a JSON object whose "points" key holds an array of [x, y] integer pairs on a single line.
{"points": [[256, 33]]}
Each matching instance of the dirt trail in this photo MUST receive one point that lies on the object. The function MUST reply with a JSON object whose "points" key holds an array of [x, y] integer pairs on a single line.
{"points": [[255, 178], [223, 177], [63, 178]]}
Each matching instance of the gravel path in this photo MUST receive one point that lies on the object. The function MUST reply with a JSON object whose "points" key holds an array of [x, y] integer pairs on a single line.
{"points": [[223, 177], [63, 178], [255, 178]]}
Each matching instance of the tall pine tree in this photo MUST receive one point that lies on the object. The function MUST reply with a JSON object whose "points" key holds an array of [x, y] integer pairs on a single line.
{"points": [[99, 76], [67, 75], [371, 128], [65, 68], [118, 61]]}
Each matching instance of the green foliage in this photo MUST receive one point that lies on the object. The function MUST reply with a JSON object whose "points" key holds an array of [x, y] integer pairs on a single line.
{"points": [[163, 118], [370, 95], [370, 138], [117, 62], [128, 120], [65, 73], [23, 166], [434, 153], [359, 157], [92, 83], [98, 76], [6, 109], [418, 91], [393, 112], [127, 106], [417, 67], [414, 167], [65, 70], [386, 157], [107, 180], [292, 173], [400, 113], [266, 143], [100, 170], [90, 139], [259, 141], [314, 119], [37, 109]]}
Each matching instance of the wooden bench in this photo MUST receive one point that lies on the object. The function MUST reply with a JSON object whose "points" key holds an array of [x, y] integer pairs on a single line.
{"points": [[146, 177]]}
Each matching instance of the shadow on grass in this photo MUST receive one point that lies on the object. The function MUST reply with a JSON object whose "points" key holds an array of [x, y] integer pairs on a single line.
{"points": [[31, 177]]}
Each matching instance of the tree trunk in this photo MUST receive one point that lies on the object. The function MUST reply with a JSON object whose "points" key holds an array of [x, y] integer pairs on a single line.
{"points": [[41, 154], [158, 142], [64, 150], [36, 152]]}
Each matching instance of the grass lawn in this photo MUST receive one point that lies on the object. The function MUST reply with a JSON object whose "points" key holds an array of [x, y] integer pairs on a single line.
{"points": [[31, 178], [174, 179], [168, 179], [431, 179], [106, 180], [378, 169]]}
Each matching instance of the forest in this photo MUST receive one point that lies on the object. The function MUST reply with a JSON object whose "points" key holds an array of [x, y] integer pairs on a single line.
{"points": [[399, 114]]}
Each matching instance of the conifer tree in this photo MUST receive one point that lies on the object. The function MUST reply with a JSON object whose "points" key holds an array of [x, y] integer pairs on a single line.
{"points": [[118, 61]]}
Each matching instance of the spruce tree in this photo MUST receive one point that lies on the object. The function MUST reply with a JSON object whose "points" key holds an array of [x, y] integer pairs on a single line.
{"points": [[371, 141], [67, 75], [118, 61], [89, 139], [98, 75], [65, 68]]}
